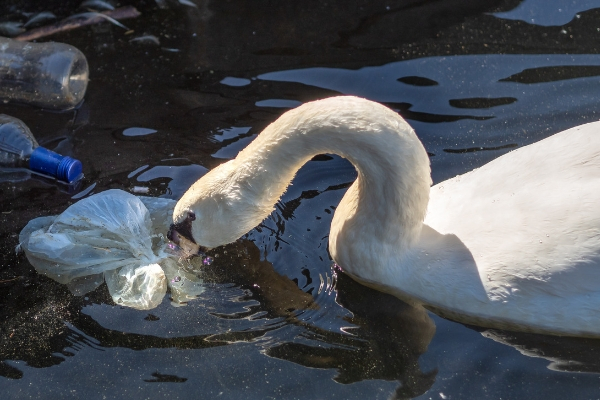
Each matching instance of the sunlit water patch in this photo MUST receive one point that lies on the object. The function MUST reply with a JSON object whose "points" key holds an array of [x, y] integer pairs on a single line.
{"points": [[234, 140], [169, 180], [136, 131], [548, 12], [478, 106]]}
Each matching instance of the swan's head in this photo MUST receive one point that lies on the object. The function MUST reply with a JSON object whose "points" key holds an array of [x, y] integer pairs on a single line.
{"points": [[217, 209], [181, 234]]}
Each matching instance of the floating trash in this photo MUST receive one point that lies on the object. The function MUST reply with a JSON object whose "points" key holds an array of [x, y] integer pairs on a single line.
{"points": [[140, 189], [48, 75], [19, 149], [115, 237]]}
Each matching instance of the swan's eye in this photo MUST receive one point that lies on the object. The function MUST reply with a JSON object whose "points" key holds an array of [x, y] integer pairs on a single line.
{"points": [[191, 215]]}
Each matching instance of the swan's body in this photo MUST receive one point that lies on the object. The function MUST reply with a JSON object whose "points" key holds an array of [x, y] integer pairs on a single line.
{"points": [[514, 244]]}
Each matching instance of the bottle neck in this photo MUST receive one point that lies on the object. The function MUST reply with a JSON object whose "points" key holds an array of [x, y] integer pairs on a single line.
{"points": [[13, 160]]}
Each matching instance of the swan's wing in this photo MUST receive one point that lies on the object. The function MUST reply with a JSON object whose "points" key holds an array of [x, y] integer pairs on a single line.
{"points": [[531, 218]]}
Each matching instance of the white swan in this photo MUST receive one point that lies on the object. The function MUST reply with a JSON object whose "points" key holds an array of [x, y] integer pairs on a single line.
{"points": [[514, 244]]}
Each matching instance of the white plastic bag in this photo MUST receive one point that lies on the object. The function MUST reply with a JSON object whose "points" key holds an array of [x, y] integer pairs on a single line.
{"points": [[142, 287], [113, 233], [184, 282]]}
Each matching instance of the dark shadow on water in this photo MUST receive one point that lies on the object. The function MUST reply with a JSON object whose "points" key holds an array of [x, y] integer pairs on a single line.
{"points": [[417, 81], [474, 149], [404, 109], [481, 102], [158, 377], [553, 74], [566, 354]]}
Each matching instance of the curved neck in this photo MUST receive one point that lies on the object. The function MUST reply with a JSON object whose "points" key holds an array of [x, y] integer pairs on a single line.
{"points": [[388, 201], [386, 204]]}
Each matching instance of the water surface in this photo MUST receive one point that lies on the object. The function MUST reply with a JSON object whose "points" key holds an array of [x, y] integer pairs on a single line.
{"points": [[276, 320]]}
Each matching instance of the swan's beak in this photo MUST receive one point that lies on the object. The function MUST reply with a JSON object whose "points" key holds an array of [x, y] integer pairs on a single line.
{"points": [[181, 235]]}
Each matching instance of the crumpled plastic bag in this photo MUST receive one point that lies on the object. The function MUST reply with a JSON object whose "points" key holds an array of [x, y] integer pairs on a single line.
{"points": [[112, 236], [184, 282]]}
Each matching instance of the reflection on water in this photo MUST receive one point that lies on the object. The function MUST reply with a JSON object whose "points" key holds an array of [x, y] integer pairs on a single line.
{"points": [[563, 354], [234, 140], [462, 79], [485, 102], [387, 338], [137, 131], [549, 12], [170, 180], [278, 103]]}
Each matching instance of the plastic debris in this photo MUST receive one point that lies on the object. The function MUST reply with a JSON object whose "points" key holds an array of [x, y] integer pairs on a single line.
{"points": [[48, 75], [140, 189], [114, 235], [19, 149], [96, 5], [75, 22], [39, 18]]}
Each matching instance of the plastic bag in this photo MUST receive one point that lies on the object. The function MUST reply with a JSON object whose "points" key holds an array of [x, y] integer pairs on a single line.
{"points": [[184, 282], [114, 235]]}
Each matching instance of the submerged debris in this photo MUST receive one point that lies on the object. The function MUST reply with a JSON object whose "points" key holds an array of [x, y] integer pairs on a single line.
{"points": [[93, 14], [76, 21], [11, 28], [140, 189], [39, 18], [187, 3], [96, 5], [146, 39]]}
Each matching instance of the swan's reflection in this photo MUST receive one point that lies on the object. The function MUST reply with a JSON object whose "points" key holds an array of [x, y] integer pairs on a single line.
{"points": [[240, 263], [386, 340], [386, 344], [566, 354]]}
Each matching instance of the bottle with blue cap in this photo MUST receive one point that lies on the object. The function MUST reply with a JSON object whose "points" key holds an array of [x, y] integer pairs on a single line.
{"points": [[19, 149]]}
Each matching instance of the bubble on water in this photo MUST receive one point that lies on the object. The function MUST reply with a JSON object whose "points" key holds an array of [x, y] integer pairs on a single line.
{"points": [[207, 260], [174, 249]]}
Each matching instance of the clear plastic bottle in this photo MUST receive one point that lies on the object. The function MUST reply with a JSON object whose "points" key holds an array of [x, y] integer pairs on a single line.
{"points": [[48, 75], [19, 149]]}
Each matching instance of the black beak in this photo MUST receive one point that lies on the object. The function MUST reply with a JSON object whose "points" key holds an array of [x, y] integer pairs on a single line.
{"points": [[181, 235]]}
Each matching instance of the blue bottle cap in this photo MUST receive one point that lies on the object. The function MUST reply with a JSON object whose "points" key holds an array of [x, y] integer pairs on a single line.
{"points": [[50, 163]]}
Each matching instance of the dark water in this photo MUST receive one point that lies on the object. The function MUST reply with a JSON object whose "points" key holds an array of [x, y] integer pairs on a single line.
{"points": [[474, 78]]}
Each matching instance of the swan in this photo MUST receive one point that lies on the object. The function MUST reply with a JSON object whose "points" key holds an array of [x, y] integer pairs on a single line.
{"points": [[514, 244]]}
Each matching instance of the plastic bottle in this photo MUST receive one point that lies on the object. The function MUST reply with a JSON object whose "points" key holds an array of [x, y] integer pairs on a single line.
{"points": [[48, 75], [19, 149]]}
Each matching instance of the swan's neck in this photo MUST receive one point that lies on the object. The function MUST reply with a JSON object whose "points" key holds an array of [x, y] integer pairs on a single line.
{"points": [[382, 211]]}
